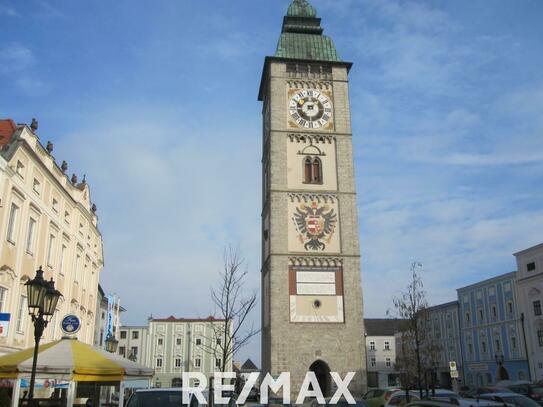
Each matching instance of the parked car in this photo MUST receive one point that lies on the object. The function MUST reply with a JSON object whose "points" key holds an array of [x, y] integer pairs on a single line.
{"points": [[431, 403], [379, 397], [399, 399], [532, 391], [476, 391], [510, 398], [168, 397], [342, 402]]}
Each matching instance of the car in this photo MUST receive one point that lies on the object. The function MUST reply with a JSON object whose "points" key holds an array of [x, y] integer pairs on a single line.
{"points": [[342, 402], [379, 397], [513, 399], [167, 397], [532, 391], [431, 403], [476, 391], [399, 398]]}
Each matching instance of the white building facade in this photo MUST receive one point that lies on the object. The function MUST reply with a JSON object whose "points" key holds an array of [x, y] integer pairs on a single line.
{"points": [[46, 220], [381, 352], [530, 302]]}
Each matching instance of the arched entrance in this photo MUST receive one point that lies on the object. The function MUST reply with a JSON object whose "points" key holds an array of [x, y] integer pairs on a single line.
{"points": [[322, 372]]}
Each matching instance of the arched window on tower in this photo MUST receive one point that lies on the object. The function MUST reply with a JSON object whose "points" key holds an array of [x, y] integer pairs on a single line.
{"points": [[308, 171], [317, 171]]}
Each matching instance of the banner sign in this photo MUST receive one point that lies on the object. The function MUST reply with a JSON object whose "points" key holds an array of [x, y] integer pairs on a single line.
{"points": [[110, 309], [4, 324]]}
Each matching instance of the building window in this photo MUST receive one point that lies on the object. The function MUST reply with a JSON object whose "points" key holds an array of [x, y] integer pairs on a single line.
{"points": [[55, 205], [373, 362], [217, 363], [177, 363], [513, 343], [159, 362], [122, 351], [197, 362], [540, 337], [530, 266], [312, 170], [30, 236], [470, 348], [178, 341], [494, 311], [160, 341], [76, 272], [62, 259], [123, 334], [198, 341], [51, 250], [481, 315], [20, 326], [12, 223], [218, 341], [372, 345], [67, 217], [135, 335], [20, 169], [537, 307], [3, 292], [483, 347], [498, 345], [387, 362], [387, 345], [36, 186], [134, 352], [510, 307], [468, 318]]}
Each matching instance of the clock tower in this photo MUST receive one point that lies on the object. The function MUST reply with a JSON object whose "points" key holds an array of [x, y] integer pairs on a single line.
{"points": [[311, 288]]}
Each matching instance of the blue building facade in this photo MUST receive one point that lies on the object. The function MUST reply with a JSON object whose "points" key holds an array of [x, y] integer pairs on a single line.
{"points": [[491, 333], [444, 323]]}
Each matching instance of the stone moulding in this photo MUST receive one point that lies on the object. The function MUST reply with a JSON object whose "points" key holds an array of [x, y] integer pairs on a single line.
{"points": [[306, 198], [311, 138], [315, 261], [320, 85]]}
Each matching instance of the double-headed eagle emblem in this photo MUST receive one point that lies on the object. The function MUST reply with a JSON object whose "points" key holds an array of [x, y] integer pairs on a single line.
{"points": [[314, 224]]}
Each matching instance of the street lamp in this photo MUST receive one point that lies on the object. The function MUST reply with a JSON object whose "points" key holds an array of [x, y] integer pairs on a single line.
{"points": [[111, 343], [42, 303]]}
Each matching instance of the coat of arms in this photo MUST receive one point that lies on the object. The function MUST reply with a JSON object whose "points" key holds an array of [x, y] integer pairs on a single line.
{"points": [[315, 225]]}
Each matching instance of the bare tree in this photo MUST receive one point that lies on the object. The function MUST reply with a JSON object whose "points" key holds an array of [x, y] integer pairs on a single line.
{"points": [[233, 306], [411, 306]]}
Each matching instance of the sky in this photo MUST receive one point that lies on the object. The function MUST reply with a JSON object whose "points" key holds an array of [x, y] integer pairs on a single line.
{"points": [[156, 102]]}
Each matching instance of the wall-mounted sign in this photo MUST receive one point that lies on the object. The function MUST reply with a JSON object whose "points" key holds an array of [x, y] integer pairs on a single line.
{"points": [[70, 324], [4, 324]]}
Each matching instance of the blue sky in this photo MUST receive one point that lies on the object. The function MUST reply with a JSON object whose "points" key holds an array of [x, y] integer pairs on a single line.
{"points": [[157, 105]]}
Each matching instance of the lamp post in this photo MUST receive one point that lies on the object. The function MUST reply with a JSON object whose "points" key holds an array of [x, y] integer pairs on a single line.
{"points": [[111, 343], [42, 304]]}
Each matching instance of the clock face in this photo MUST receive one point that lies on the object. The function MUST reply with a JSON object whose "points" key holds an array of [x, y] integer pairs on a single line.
{"points": [[310, 109]]}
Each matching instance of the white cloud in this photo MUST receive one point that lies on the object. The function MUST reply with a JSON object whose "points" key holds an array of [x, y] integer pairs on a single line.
{"points": [[8, 10]]}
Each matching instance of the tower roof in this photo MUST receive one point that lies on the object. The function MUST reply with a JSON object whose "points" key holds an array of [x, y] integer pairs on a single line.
{"points": [[302, 37], [301, 8]]}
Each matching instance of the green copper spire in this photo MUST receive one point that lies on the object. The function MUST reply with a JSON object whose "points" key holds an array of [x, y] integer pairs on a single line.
{"points": [[301, 8], [302, 38]]}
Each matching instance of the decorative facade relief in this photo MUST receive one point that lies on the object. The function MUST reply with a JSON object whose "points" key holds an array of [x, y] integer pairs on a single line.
{"points": [[313, 223]]}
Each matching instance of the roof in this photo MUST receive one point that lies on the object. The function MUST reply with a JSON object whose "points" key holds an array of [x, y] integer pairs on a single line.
{"points": [[382, 326], [511, 274], [529, 249], [249, 365], [7, 129], [171, 318], [301, 8], [449, 304], [301, 35]]}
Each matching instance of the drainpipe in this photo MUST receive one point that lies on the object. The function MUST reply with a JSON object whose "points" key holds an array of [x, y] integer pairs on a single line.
{"points": [[526, 346]]}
